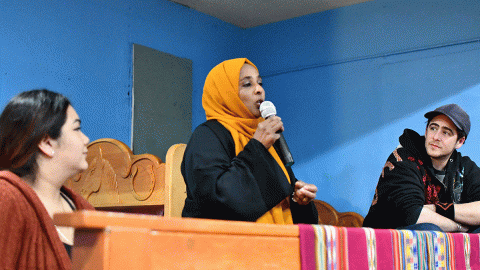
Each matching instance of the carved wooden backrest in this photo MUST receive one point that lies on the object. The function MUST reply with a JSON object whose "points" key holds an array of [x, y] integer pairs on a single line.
{"points": [[327, 215], [175, 188], [116, 178]]}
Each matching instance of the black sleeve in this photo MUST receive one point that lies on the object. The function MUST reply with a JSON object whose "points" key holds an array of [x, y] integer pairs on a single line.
{"points": [[404, 191], [471, 183], [223, 186], [400, 194], [306, 214]]}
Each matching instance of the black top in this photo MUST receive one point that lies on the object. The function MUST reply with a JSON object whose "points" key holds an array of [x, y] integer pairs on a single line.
{"points": [[72, 206], [69, 249], [408, 182], [222, 185]]}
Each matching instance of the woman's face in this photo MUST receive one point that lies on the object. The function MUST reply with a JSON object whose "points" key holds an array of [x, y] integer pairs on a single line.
{"points": [[71, 147], [250, 89]]}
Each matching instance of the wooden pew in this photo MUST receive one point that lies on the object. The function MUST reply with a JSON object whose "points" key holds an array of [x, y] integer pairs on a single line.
{"points": [[175, 188], [116, 180]]}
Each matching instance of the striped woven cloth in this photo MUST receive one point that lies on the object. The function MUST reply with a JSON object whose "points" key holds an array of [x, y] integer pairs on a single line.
{"points": [[332, 248]]}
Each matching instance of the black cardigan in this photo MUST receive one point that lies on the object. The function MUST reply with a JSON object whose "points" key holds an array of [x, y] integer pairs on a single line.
{"points": [[223, 185]]}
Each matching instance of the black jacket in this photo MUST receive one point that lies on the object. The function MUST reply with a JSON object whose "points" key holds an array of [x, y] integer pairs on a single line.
{"points": [[408, 182], [223, 185]]}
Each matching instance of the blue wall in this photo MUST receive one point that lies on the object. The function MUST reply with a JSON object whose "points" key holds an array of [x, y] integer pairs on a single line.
{"points": [[346, 82], [83, 49]]}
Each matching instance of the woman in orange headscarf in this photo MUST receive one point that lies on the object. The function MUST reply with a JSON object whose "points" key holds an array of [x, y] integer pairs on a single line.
{"points": [[231, 170]]}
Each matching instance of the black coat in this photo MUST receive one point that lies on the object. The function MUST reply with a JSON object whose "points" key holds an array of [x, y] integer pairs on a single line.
{"points": [[223, 185]]}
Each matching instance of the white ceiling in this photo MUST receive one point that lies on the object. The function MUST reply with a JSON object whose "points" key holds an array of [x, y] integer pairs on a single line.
{"points": [[251, 13]]}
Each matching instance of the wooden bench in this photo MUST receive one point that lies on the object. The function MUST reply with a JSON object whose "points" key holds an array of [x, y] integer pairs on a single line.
{"points": [[117, 180]]}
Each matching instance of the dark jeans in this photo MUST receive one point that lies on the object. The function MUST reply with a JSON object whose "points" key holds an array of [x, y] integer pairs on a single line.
{"points": [[433, 227]]}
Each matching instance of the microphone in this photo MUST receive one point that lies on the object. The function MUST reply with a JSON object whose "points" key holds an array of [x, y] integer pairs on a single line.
{"points": [[267, 109]]}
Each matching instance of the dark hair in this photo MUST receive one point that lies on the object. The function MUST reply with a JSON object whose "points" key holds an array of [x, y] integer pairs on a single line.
{"points": [[28, 118], [460, 133]]}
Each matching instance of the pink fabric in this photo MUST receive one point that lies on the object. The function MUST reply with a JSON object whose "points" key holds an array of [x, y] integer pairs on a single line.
{"points": [[307, 247], [459, 251], [474, 241], [357, 248], [384, 245], [388, 249]]}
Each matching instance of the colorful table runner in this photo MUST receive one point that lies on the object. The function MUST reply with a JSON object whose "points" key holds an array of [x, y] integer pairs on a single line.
{"points": [[332, 248]]}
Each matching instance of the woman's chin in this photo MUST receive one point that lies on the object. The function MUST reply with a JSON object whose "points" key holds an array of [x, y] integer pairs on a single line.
{"points": [[83, 167]]}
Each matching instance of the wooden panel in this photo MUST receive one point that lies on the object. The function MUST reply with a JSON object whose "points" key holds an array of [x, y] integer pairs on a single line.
{"points": [[134, 248], [116, 178], [213, 251], [91, 249], [131, 248], [99, 219], [127, 241]]}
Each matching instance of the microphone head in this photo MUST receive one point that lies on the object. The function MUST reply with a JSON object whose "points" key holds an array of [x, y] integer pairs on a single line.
{"points": [[267, 109]]}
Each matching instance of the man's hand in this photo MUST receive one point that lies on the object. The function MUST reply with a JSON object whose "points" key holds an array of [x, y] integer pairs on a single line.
{"points": [[462, 228], [468, 213]]}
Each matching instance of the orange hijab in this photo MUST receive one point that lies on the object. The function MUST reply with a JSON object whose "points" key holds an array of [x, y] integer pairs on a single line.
{"points": [[221, 102]]}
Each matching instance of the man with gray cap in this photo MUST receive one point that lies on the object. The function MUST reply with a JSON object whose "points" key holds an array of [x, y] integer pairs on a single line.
{"points": [[425, 183]]}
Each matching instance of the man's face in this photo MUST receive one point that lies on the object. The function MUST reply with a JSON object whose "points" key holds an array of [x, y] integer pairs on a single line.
{"points": [[441, 137]]}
